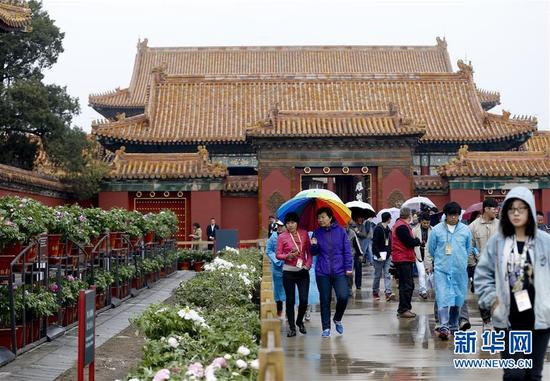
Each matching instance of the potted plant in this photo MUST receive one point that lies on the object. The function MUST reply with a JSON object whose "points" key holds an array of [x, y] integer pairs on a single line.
{"points": [[136, 226], [115, 222], [66, 224], [5, 319], [185, 257], [21, 219], [125, 274], [149, 222], [97, 218], [199, 258], [102, 281], [166, 224]]}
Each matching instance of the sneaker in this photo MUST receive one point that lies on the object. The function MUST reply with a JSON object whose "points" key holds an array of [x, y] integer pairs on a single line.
{"points": [[444, 333], [326, 333], [307, 317], [339, 327], [358, 288], [390, 296], [407, 314], [302, 328], [437, 328], [291, 333], [464, 325], [375, 295], [424, 295]]}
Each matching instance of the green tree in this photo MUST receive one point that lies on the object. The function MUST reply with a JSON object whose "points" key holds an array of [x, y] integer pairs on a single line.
{"points": [[30, 107]]}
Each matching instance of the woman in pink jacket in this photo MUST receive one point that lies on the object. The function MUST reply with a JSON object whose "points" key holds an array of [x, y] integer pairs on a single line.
{"points": [[293, 247]]}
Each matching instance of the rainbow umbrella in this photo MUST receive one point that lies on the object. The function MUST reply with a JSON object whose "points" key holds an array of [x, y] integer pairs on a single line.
{"points": [[307, 202]]}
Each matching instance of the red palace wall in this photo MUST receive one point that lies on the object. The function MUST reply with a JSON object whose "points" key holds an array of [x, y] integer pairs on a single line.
{"points": [[241, 213], [544, 205], [206, 205], [49, 201], [396, 180], [465, 197], [274, 186], [439, 199], [109, 200]]}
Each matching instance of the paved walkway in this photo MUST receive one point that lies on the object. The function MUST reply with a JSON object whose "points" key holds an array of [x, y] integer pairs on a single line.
{"points": [[376, 345], [50, 360]]}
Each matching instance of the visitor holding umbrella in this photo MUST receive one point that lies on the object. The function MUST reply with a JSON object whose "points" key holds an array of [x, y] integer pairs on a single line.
{"points": [[334, 264], [293, 247]]}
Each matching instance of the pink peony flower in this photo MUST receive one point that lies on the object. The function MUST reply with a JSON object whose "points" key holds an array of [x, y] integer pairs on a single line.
{"points": [[219, 362], [162, 375], [195, 369], [54, 287], [70, 278]]}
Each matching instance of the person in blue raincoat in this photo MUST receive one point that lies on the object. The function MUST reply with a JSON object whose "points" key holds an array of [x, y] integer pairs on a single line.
{"points": [[276, 268], [313, 294], [450, 243]]}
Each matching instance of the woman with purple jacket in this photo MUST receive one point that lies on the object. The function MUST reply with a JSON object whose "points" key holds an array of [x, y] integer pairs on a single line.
{"points": [[334, 264]]}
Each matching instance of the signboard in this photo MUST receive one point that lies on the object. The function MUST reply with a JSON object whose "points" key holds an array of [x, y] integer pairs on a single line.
{"points": [[86, 333], [227, 237]]}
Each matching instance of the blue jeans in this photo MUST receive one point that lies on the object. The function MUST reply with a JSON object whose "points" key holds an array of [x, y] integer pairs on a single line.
{"points": [[463, 314], [448, 317], [367, 250], [325, 284], [382, 268]]}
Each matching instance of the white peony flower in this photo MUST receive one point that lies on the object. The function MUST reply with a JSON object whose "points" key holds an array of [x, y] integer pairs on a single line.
{"points": [[227, 357], [173, 342], [243, 350], [241, 364], [255, 364]]}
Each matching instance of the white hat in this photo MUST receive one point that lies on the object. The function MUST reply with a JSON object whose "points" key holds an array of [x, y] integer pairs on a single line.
{"points": [[280, 223]]}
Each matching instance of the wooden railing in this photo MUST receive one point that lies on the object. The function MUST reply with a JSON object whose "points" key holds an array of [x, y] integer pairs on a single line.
{"points": [[271, 353], [259, 243]]}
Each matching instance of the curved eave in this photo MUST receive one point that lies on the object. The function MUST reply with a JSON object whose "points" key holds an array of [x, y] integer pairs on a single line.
{"points": [[169, 142]]}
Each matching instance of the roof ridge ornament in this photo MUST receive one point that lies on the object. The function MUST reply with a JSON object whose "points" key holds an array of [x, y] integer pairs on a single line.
{"points": [[120, 116], [142, 44], [462, 152], [203, 152], [465, 68], [505, 115], [441, 43]]}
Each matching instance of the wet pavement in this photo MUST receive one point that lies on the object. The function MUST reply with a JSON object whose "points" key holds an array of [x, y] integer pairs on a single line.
{"points": [[376, 345]]}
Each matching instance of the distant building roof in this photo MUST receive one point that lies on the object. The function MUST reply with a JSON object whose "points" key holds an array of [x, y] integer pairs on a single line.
{"points": [[540, 141], [184, 109], [13, 175], [273, 60], [14, 15], [241, 184], [164, 166], [497, 164]]}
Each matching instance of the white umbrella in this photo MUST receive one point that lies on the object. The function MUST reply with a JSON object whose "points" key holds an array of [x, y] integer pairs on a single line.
{"points": [[417, 202], [363, 206], [394, 216]]}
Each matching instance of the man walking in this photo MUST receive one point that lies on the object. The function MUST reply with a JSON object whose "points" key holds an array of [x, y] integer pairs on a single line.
{"points": [[450, 244], [402, 249], [272, 226], [381, 251], [422, 232], [211, 232], [540, 222], [482, 229]]}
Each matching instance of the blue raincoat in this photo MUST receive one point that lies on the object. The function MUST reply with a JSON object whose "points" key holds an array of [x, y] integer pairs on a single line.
{"points": [[276, 268], [450, 271]]}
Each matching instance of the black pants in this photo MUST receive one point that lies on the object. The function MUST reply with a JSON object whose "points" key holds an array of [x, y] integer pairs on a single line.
{"points": [[358, 267], [471, 272], [540, 342], [406, 285], [291, 280]]}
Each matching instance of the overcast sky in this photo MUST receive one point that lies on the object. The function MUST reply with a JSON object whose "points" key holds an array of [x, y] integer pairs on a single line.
{"points": [[507, 41]]}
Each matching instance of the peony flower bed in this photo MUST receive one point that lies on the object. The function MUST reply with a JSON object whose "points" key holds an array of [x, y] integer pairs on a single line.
{"points": [[213, 330]]}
